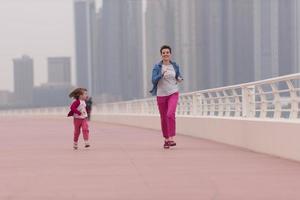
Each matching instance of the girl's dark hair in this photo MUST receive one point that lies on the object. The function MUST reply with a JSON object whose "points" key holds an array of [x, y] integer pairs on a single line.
{"points": [[77, 92], [165, 47]]}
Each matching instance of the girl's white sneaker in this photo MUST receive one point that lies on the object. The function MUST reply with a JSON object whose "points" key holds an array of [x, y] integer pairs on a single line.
{"points": [[75, 146]]}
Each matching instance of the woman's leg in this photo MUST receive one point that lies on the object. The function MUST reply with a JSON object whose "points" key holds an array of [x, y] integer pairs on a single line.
{"points": [[163, 108], [171, 112]]}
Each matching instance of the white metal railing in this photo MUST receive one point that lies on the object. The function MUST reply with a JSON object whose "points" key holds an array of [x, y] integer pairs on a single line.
{"points": [[272, 98], [35, 111], [275, 98]]}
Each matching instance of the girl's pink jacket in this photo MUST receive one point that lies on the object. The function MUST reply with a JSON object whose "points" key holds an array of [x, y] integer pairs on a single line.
{"points": [[73, 108]]}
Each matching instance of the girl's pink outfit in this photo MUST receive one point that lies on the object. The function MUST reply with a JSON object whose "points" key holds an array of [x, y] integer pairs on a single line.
{"points": [[79, 112], [81, 124]]}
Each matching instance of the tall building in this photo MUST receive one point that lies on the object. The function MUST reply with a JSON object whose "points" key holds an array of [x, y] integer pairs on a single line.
{"points": [[85, 42], [113, 47], [23, 80], [242, 55], [266, 38], [121, 46], [184, 49], [5, 98], [277, 38], [216, 42], [58, 86], [159, 31], [59, 70], [203, 44], [99, 74], [287, 36], [52, 94], [132, 73], [211, 43], [261, 39]]}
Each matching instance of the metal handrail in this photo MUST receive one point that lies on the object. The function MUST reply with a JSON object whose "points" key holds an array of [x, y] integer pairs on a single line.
{"points": [[275, 98]]}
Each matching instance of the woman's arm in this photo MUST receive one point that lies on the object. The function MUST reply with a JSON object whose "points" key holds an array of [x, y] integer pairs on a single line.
{"points": [[156, 75], [179, 77]]}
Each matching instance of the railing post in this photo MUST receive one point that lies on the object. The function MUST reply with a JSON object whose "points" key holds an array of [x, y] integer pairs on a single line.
{"points": [[194, 104], [276, 101], [293, 99], [248, 99]]}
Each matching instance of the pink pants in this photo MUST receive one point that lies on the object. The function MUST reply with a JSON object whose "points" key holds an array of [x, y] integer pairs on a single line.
{"points": [[167, 109], [81, 124]]}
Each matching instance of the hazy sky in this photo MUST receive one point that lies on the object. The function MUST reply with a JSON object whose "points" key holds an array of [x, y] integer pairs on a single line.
{"points": [[39, 28]]}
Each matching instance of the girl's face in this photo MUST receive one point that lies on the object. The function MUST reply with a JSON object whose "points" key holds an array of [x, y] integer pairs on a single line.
{"points": [[166, 55], [84, 96]]}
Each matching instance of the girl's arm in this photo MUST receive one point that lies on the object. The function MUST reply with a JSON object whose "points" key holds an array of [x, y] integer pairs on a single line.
{"points": [[88, 110], [74, 107]]}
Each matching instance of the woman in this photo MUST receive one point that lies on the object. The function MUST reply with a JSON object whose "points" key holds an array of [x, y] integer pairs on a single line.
{"points": [[165, 79]]}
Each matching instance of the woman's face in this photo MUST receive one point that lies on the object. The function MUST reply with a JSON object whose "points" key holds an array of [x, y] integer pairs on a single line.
{"points": [[166, 54]]}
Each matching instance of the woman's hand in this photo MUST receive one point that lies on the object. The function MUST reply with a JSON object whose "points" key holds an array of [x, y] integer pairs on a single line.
{"points": [[179, 79], [164, 70], [164, 73]]}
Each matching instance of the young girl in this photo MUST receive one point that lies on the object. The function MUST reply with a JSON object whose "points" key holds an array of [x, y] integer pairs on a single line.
{"points": [[80, 113]]}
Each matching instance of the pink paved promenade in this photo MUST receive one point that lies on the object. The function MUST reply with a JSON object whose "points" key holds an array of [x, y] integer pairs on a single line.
{"points": [[125, 163]]}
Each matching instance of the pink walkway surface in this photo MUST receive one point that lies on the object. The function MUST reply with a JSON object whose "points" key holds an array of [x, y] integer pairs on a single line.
{"points": [[37, 162]]}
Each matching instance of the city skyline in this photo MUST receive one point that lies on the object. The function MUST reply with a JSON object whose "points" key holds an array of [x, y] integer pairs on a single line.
{"points": [[39, 37], [47, 42], [223, 41]]}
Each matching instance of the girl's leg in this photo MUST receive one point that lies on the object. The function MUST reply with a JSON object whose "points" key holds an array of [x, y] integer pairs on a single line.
{"points": [[77, 126], [85, 131], [162, 104]]}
